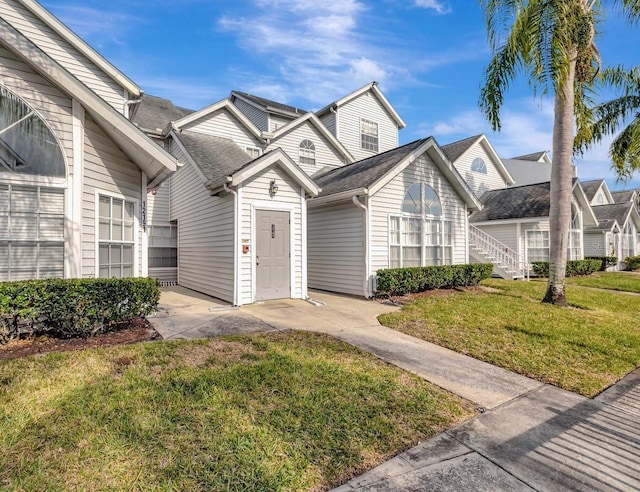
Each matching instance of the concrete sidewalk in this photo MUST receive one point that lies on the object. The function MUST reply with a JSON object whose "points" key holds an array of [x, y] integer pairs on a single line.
{"points": [[354, 320]]}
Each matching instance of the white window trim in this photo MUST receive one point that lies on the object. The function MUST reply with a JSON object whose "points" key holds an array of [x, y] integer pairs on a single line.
{"points": [[307, 150], [362, 134], [150, 228], [423, 244], [526, 243], [136, 230], [253, 147]]}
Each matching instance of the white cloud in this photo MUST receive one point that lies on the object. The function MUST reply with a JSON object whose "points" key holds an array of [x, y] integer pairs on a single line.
{"points": [[436, 5]]}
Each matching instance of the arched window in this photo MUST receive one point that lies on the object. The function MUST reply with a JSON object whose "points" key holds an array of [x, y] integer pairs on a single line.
{"points": [[420, 236], [479, 166], [31, 214], [307, 152]]}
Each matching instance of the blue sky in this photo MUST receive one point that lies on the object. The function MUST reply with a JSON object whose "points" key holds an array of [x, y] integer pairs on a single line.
{"points": [[427, 55]]}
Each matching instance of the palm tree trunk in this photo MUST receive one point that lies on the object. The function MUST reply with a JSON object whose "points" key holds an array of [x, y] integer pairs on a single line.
{"points": [[561, 189]]}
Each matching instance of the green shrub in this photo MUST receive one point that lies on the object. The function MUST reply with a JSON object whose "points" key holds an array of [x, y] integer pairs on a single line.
{"points": [[632, 263], [607, 261], [574, 267], [399, 281], [73, 307]]}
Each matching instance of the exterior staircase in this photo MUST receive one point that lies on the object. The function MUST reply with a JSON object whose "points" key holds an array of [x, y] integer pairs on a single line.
{"points": [[507, 263]]}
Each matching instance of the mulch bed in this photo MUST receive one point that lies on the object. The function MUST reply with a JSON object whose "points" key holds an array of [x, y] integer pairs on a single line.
{"points": [[409, 298], [139, 330]]}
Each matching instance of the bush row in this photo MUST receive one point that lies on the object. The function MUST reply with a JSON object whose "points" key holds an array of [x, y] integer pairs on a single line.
{"points": [[607, 261], [632, 263], [399, 281], [73, 307], [574, 267]]}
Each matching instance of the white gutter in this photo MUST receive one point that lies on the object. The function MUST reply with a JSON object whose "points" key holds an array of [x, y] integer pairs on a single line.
{"points": [[236, 245], [366, 284], [340, 196], [127, 104]]}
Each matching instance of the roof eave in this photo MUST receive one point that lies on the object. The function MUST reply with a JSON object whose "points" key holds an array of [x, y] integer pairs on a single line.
{"points": [[343, 195]]}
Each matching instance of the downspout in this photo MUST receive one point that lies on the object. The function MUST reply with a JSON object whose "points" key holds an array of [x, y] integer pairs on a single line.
{"points": [[337, 133], [128, 103], [236, 244], [366, 287]]}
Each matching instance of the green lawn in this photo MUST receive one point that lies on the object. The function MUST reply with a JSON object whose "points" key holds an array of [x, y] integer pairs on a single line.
{"points": [[283, 411], [624, 281], [584, 348]]}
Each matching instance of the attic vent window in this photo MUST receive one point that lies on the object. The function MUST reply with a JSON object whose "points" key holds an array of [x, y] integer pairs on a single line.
{"points": [[254, 152], [307, 152], [369, 135], [479, 166]]}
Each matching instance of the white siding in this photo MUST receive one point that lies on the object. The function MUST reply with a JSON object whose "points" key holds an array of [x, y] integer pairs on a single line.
{"points": [[366, 106], [276, 122], [478, 182], [106, 169], [336, 255], [257, 116], [61, 51], [595, 244], [329, 120], [507, 234], [205, 235], [50, 102], [223, 124], [541, 225], [326, 154], [388, 201], [158, 205], [256, 192]]}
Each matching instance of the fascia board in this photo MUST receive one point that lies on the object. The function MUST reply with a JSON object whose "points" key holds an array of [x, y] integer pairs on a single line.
{"points": [[78, 43]]}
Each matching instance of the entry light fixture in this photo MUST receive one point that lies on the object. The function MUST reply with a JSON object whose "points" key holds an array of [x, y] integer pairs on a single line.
{"points": [[273, 188]]}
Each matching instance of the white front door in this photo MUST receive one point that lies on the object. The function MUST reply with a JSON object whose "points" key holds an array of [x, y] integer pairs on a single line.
{"points": [[273, 261]]}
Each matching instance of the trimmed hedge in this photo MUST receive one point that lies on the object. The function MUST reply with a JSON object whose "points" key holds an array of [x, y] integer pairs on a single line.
{"points": [[607, 261], [73, 307], [399, 281], [574, 267], [632, 263]]}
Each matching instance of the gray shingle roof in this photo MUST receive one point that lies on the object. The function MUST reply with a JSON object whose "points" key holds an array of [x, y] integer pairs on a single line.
{"points": [[155, 113], [363, 173], [607, 214], [590, 187], [622, 196], [514, 203], [269, 104], [456, 149], [535, 156], [215, 156]]}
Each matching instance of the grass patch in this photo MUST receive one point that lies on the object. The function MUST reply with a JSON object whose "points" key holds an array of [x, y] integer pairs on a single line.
{"points": [[280, 411], [622, 281], [582, 350]]}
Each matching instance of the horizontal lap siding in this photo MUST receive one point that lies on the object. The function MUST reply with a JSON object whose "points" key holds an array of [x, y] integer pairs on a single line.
{"points": [[158, 205], [205, 235], [507, 234], [224, 124], [335, 258], [478, 182], [541, 225], [326, 155], [63, 53], [257, 190], [276, 122], [388, 201], [595, 244], [255, 115], [52, 105], [366, 106], [329, 120], [106, 169]]}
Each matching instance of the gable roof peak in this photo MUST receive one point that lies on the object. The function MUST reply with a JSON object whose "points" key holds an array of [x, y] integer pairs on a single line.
{"points": [[268, 105]]}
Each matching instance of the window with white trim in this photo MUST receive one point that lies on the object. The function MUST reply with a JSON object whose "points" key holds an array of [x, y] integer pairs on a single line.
{"points": [[307, 152], [420, 236], [368, 135], [537, 246], [628, 236], [31, 232], [479, 166], [254, 152], [163, 246], [574, 247], [116, 237]]}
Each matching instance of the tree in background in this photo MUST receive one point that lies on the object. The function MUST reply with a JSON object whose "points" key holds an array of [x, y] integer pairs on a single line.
{"points": [[552, 43]]}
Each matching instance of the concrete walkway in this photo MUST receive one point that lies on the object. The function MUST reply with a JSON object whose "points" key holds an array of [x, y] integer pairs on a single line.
{"points": [[530, 436]]}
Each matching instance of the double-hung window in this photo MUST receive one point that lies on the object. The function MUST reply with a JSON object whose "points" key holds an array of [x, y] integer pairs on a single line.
{"points": [[368, 135], [537, 246], [116, 237], [163, 246], [420, 236]]}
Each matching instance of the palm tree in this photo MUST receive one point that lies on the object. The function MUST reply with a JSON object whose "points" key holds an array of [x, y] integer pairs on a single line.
{"points": [[607, 118], [552, 43]]}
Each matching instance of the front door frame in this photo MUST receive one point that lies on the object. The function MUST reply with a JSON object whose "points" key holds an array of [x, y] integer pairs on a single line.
{"points": [[274, 207]]}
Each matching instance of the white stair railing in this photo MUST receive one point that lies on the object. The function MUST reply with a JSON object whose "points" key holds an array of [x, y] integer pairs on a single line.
{"points": [[499, 253]]}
